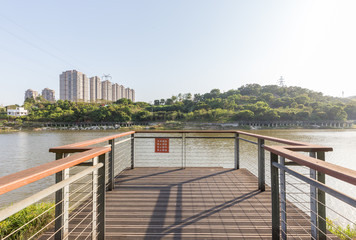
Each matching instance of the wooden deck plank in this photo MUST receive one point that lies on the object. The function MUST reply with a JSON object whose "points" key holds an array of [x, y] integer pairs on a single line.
{"points": [[191, 203]]}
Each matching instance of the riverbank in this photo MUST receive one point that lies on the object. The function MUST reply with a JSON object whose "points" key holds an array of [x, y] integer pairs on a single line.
{"points": [[29, 126]]}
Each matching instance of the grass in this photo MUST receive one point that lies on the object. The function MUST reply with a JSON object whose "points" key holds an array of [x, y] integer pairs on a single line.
{"points": [[348, 232], [22, 217]]}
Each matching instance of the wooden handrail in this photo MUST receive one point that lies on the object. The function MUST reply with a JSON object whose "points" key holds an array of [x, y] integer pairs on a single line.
{"points": [[273, 139], [22, 178], [186, 131], [90, 142], [341, 173]]}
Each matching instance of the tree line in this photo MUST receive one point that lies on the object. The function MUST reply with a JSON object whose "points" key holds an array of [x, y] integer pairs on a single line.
{"points": [[249, 102]]}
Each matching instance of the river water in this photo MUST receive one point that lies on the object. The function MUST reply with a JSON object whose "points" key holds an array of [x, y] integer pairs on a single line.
{"points": [[23, 150]]}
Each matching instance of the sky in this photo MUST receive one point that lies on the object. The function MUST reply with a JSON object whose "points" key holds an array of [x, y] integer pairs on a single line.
{"points": [[162, 48]]}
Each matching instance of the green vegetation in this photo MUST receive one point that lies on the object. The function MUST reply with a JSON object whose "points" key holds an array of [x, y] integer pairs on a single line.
{"points": [[347, 232], [2, 113], [249, 102], [46, 210]]}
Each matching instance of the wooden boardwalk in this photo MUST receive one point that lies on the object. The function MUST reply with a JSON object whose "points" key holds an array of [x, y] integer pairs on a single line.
{"points": [[191, 203]]}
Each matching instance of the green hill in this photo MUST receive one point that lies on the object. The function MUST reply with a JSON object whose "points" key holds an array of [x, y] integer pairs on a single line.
{"points": [[248, 102]]}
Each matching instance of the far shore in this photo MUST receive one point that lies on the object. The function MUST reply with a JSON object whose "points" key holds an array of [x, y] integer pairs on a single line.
{"points": [[164, 125]]}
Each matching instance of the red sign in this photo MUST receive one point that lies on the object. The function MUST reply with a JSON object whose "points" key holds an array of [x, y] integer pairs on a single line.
{"points": [[162, 145]]}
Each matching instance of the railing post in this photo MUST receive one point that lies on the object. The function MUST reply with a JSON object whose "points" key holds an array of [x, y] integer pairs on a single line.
{"points": [[132, 151], [321, 202], [313, 203], [62, 204], [111, 177], [283, 200], [95, 189], [261, 165], [237, 151], [101, 199], [184, 160], [275, 198]]}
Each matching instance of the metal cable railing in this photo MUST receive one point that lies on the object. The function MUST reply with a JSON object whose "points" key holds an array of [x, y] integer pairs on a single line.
{"points": [[83, 174], [31, 233]]}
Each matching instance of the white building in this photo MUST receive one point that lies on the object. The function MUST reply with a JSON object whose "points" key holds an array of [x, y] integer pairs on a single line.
{"points": [[18, 112]]}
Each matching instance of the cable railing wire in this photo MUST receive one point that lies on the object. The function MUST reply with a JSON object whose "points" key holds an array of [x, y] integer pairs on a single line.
{"points": [[311, 197], [70, 209], [309, 210]]}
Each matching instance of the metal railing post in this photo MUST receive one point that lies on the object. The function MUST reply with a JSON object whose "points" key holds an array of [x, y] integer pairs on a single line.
{"points": [[237, 151], [111, 177], [133, 151], [313, 203], [261, 165], [184, 161], [95, 199], [62, 204], [275, 198], [283, 200], [101, 199], [321, 202]]}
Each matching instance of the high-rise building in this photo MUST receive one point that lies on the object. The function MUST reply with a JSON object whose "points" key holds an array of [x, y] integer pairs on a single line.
{"points": [[126, 93], [132, 95], [65, 84], [129, 94], [86, 96], [116, 92], [73, 86], [121, 91], [106, 90], [48, 94], [95, 89], [31, 94]]}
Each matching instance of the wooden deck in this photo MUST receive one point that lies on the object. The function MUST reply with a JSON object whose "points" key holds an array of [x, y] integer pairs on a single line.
{"points": [[192, 203]]}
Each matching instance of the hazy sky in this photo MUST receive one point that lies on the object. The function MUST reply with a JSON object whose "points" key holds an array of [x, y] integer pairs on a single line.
{"points": [[162, 48]]}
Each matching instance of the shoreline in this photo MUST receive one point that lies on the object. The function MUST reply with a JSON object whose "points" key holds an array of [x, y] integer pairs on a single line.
{"points": [[163, 125]]}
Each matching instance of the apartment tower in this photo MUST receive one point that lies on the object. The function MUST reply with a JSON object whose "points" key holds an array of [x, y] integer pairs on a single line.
{"points": [[95, 89], [73, 86], [106, 90], [31, 94], [48, 94], [132, 95]]}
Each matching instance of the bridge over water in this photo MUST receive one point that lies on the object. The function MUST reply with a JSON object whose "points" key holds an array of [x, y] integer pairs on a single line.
{"points": [[184, 185]]}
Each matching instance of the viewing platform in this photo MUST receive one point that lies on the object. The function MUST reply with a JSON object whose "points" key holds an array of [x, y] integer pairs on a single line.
{"points": [[184, 185], [190, 203]]}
